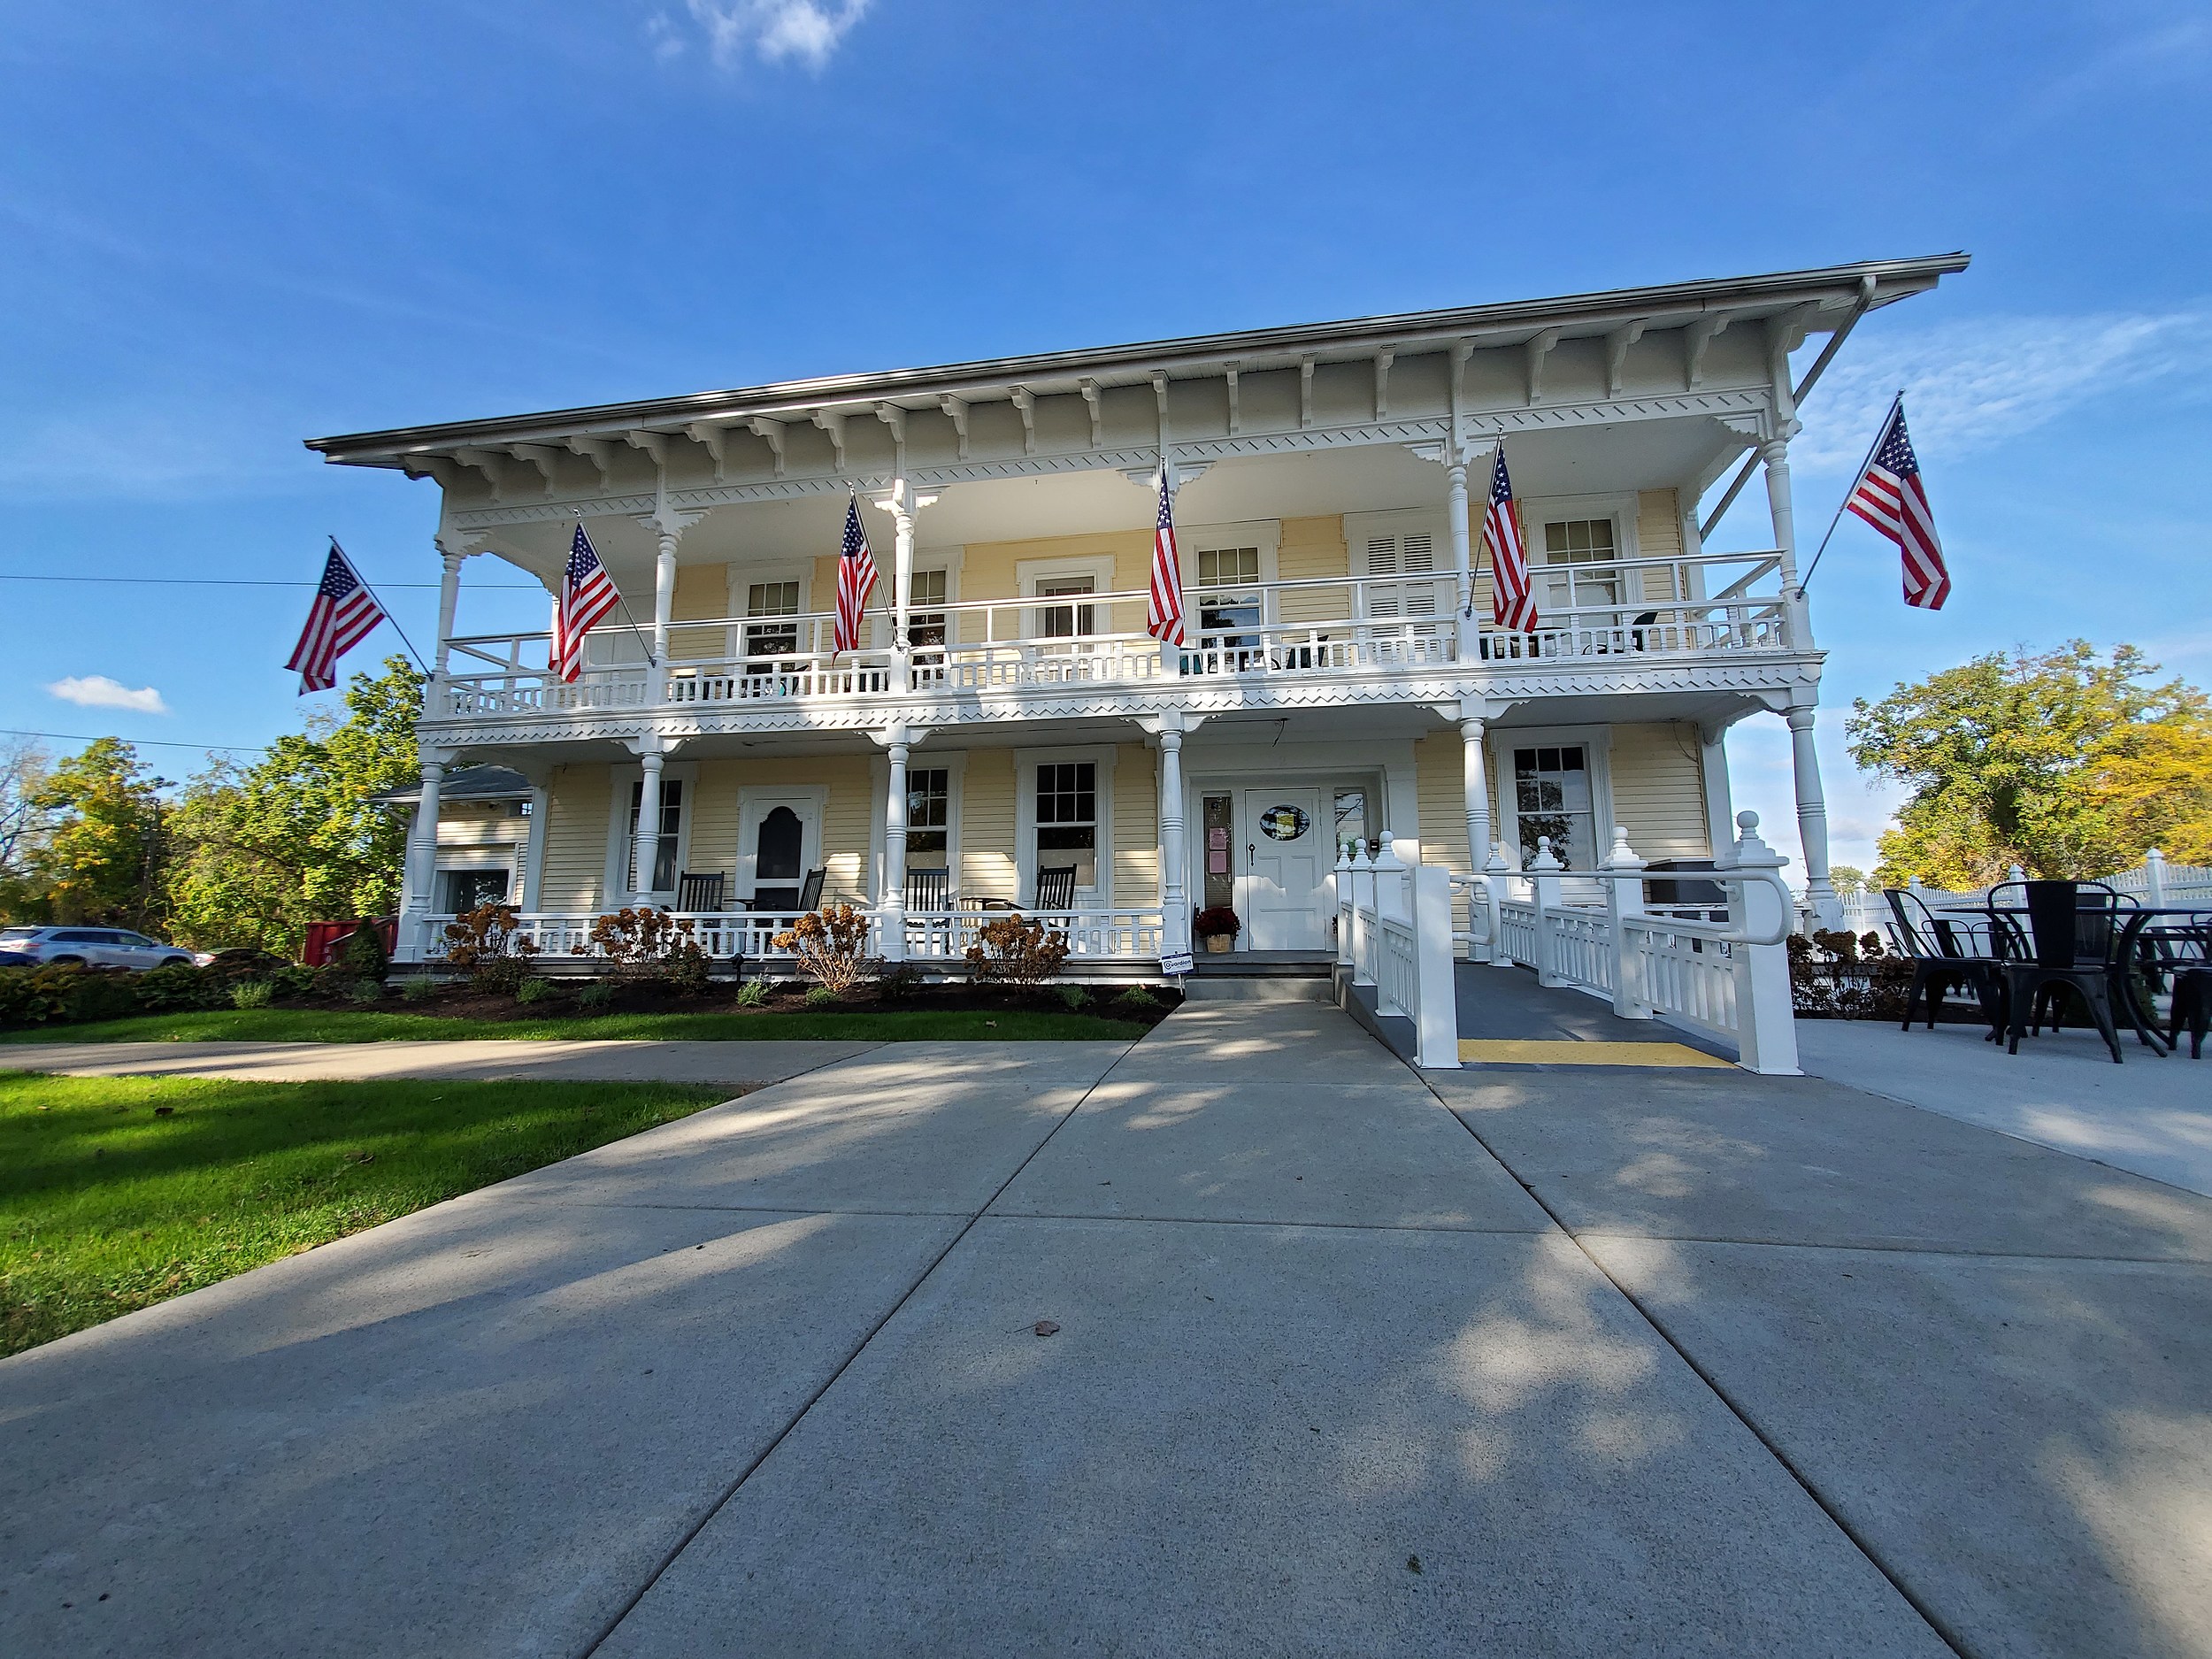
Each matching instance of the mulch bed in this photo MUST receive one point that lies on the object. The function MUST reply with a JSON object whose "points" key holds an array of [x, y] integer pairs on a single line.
{"points": [[459, 1002]]}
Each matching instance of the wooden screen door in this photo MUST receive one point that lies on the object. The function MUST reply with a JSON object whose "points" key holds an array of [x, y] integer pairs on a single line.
{"points": [[1289, 848]]}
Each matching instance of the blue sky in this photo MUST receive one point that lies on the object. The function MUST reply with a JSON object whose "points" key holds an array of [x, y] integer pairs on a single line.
{"points": [[233, 226]]}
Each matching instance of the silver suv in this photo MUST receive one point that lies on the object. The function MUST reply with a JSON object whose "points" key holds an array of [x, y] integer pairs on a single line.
{"points": [[92, 947]]}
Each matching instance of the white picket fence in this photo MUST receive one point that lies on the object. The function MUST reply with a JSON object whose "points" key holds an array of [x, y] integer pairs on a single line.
{"points": [[1728, 979], [2154, 881], [1393, 933]]}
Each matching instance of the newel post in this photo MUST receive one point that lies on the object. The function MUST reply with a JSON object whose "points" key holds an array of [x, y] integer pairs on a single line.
{"points": [[1544, 885], [1436, 999], [1364, 909], [1340, 902], [1624, 876], [2154, 877], [1758, 909], [1498, 873]]}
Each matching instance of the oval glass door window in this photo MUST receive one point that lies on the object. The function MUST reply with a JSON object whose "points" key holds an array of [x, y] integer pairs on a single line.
{"points": [[1284, 823]]}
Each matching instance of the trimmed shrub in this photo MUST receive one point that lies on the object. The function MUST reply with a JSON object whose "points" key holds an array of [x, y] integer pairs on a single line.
{"points": [[687, 969], [59, 992], [1015, 952], [364, 954], [165, 990], [900, 983]]}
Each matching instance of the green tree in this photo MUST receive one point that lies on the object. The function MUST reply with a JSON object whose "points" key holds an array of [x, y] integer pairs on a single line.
{"points": [[1846, 879], [2067, 763], [265, 847], [101, 843], [24, 825]]}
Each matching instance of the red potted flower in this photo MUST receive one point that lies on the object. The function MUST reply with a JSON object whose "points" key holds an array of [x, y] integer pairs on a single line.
{"points": [[1219, 927]]}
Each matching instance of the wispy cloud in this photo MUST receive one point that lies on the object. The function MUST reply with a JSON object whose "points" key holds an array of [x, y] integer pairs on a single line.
{"points": [[774, 31], [97, 691], [1973, 385]]}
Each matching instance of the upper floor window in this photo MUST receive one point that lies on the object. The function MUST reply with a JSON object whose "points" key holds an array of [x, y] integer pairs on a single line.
{"points": [[925, 610], [1066, 621], [1229, 594], [1401, 553], [1572, 544], [772, 639]]}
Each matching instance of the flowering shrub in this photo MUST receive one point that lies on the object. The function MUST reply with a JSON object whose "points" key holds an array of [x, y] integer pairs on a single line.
{"points": [[832, 946], [489, 946], [1217, 922], [641, 943], [1015, 952]]}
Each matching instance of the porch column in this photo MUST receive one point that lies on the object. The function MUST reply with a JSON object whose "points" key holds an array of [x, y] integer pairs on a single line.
{"points": [[449, 605], [1775, 453], [1174, 861], [1720, 812], [645, 835], [422, 861], [663, 607], [892, 903], [1463, 551], [902, 504], [1477, 799], [1812, 819]]}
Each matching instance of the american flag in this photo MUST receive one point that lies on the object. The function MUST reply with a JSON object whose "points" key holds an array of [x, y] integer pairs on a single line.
{"points": [[1164, 614], [344, 613], [1512, 603], [588, 592], [856, 576], [1889, 497]]}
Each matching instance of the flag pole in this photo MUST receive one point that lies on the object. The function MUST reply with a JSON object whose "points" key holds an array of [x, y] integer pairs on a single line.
{"points": [[651, 660], [1895, 403], [381, 605]]}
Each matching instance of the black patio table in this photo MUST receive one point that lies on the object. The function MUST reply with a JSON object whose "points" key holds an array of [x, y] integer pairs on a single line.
{"points": [[2137, 923]]}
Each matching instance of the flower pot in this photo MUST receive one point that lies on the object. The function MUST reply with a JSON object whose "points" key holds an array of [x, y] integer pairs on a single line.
{"points": [[1219, 944]]}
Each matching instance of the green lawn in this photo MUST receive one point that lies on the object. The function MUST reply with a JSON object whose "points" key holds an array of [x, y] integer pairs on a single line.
{"points": [[105, 1206], [355, 1025]]}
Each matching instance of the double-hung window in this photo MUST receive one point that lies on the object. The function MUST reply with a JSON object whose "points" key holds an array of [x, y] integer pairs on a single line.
{"points": [[766, 637], [664, 843], [1067, 818], [1229, 596], [1553, 800], [1067, 620], [926, 612], [928, 817], [1582, 565]]}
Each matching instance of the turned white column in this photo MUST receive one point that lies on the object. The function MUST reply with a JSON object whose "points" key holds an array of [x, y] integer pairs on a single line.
{"points": [[1463, 547], [664, 608], [1477, 795], [896, 809], [1812, 819], [422, 861], [645, 835], [448, 607], [902, 504], [1174, 856], [1775, 453]]}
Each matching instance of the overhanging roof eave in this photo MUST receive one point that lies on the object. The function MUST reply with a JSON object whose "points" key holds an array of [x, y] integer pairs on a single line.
{"points": [[1894, 279]]}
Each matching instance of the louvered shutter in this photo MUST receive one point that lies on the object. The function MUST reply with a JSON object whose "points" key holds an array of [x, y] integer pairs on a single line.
{"points": [[1408, 553]]}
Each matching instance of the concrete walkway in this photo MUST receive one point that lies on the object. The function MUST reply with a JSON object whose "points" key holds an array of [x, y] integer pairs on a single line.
{"points": [[743, 1064], [2150, 1114], [1322, 1376]]}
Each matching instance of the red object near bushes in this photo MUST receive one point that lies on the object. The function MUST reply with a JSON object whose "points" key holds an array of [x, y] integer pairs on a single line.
{"points": [[326, 940]]}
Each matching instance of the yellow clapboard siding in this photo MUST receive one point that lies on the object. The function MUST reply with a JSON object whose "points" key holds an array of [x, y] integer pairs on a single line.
{"points": [[575, 869], [1136, 828], [987, 870], [1440, 774], [1658, 790], [1658, 536]]}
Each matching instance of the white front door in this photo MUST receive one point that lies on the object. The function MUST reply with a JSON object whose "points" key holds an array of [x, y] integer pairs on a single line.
{"points": [[779, 840], [1289, 843]]}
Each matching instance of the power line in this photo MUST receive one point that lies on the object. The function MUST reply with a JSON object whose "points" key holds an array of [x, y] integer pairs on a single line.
{"points": [[239, 581], [136, 743]]}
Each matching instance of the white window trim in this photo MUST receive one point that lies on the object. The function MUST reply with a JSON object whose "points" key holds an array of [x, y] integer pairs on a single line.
{"points": [[952, 761], [814, 796], [618, 867], [1398, 521], [1266, 534], [1026, 763], [1619, 505], [1028, 572], [464, 860], [738, 578], [882, 603], [1597, 747]]}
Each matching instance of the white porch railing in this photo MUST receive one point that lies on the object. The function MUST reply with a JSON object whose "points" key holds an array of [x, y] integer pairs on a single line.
{"points": [[1730, 979], [1642, 609], [1394, 932], [930, 936]]}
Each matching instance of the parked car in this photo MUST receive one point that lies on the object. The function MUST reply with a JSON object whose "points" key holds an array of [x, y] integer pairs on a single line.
{"points": [[91, 947], [17, 959]]}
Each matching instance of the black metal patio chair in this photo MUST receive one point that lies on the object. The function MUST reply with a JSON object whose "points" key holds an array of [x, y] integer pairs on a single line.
{"points": [[2183, 957], [2071, 942], [1946, 952]]}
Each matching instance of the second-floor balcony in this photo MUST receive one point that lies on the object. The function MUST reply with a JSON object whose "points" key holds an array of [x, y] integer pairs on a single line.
{"points": [[1655, 612]]}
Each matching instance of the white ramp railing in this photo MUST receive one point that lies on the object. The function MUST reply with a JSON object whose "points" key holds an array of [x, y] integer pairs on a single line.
{"points": [[1394, 932], [1729, 978]]}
